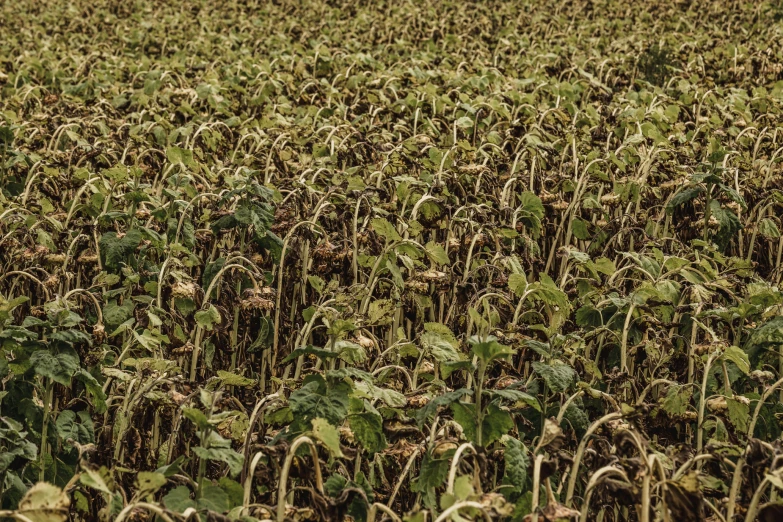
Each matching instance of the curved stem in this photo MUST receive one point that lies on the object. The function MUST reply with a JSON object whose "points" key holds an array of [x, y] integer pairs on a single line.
{"points": [[462, 505], [142, 505], [455, 464], [377, 506], [281, 491], [580, 451]]}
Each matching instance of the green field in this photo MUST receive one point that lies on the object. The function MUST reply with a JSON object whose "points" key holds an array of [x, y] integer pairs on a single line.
{"points": [[424, 261]]}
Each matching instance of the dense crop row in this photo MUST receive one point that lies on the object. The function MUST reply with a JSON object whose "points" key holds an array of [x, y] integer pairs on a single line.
{"points": [[414, 260]]}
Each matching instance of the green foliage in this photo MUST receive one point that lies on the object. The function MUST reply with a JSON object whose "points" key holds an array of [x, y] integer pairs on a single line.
{"points": [[227, 226]]}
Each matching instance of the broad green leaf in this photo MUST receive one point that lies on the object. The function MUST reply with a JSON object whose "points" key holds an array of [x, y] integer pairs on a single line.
{"points": [[580, 229], [318, 398], [94, 389], [328, 435], [116, 249], [495, 424], [738, 357], [232, 379], [99, 479], [178, 500], [350, 352], [517, 283], [489, 349], [605, 266], [208, 318], [683, 197], [385, 229], [437, 253], [179, 156], [368, 430], [516, 464], [532, 212], [213, 498], [432, 473], [427, 412], [197, 417], [515, 396], [381, 312], [738, 414], [148, 483], [227, 455], [769, 229], [60, 367], [74, 426], [392, 398], [558, 376], [44, 502], [441, 348], [677, 400]]}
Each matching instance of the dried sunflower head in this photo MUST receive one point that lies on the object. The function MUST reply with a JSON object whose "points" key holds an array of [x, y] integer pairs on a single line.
{"points": [[184, 289], [257, 299]]}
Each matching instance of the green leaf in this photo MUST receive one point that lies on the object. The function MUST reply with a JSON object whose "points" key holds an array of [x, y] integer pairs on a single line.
{"points": [[489, 349], [517, 283], [515, 396], [381, 312], [516, 464], [350, 352], [728, 221], [197, 417], [532, 212], [233, 490], [392, 398], [178, 500], [213, 498], [114, 314], [464, 122], [432, 474], [328, 435], [318, 398], [495, 424], [115, 249], [227, 455], [210, 272], [44, 502], [579, 227], [738, 357], [738, 414], [149, 482], [60, 368], [769, 333], [368, 430], [77, 427], [605, 266], [232, 379], [385, 229], [428, 411], [440, 347], [683, 197], [588, 317], [769, 229], [94, 389], [558, 376], [208, 318], [437, 253], [98, 479], [172, 469], [179, 156], [677, 400]]}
